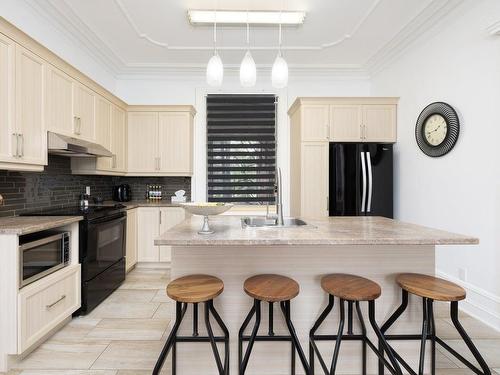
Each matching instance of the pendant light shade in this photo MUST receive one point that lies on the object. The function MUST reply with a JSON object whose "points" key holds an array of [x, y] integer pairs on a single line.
{"points": [[215, 71], [279, 74], [248, 71]]}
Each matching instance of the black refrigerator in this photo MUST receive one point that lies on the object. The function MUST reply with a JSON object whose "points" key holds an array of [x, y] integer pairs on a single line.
{"points": [[361, 179]]}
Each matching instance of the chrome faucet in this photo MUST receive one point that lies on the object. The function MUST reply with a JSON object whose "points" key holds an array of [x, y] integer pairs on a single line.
{"points": [[279, 198]]}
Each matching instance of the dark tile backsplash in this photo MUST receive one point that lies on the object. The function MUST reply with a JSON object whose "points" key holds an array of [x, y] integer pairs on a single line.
{"points": [[56, 187]]}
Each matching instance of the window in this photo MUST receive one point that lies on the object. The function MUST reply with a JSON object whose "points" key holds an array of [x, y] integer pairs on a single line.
{"points": [[241, 148]]}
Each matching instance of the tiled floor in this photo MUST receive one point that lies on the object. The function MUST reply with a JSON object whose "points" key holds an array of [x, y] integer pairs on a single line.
{"points": [[124, 335]]}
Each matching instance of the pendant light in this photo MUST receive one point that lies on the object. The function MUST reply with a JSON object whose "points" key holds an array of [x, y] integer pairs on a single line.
{"points": [[279, 73], [248, 70], [215, 68]]}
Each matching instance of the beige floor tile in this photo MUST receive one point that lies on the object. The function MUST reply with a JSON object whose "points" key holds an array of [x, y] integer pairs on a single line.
{"points": [[130, 329], [454, 371], [489, 349], [127, 310], [69, 372], [497, 370], [129, 355], [59, 355], [475, 328], [131, 295], [144, 284], [161, 296], [164, 311], [76, 330]]}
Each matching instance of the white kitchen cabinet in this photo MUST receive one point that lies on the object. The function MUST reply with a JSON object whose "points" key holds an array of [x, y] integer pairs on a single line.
{"points": [[315, 122], [84, 112], [8, 140], [379, 123], [315, 175], [59, 102], [103, 130], [151, 222], [131, 250], [119, 139], [345, 123], [160, 140], [30, 96], [169, 217]]}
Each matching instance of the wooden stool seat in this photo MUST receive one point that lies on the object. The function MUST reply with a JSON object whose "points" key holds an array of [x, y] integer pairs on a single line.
{"points": [[195, 288], [350, 287], [271, 288], [430, 287]]}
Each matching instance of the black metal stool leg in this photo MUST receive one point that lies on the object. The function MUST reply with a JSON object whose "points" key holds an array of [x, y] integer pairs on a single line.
{"points": [[244, 363], [423, 340], [293, 334], [174, 358], [212, 339], [224, 329], [339, 337], [312, 344], [180, 310], [363, 332], [432, 332], [241, 332], [381, 338]]}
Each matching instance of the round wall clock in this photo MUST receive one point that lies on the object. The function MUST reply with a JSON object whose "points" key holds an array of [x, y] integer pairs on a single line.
{"points": [[437, 129]]}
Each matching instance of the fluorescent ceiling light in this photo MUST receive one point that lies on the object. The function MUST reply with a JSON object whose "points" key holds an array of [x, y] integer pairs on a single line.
{"points": [[241, 17]]}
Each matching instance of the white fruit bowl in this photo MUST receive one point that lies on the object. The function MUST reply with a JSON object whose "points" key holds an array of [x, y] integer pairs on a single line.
{"points": [[206, 209]]}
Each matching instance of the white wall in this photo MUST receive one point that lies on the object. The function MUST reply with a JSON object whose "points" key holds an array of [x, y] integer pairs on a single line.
{"points": [[191, 89], [460, 192], [26, 18]]}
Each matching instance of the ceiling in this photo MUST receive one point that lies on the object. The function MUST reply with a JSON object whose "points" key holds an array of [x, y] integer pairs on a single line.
{"points": [[154, 36]]}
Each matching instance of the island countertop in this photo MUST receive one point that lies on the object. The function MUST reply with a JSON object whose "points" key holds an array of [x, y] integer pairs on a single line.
{"points": [[327, 231]]}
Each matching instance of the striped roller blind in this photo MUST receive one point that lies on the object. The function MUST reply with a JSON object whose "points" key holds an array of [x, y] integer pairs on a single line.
{"points": [[241, 148]]}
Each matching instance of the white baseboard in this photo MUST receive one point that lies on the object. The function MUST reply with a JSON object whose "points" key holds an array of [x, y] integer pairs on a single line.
{"points": [[480, 304]]}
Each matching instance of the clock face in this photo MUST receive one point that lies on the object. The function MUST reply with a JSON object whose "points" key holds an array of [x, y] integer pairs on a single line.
{"points": [[435, 129]]}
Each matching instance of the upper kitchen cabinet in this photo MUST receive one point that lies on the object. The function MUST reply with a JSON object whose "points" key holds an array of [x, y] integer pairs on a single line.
{"points": [[8, 137], [84, 104], [103, 130], [346, 119], [31, 142], [160, 140], [119, 139], [60, 102]]}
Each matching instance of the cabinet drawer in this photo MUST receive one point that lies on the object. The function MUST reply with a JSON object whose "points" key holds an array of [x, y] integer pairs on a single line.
{"points": [[45, 304]]}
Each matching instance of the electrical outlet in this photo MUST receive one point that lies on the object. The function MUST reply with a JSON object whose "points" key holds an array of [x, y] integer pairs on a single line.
{"points": [[2, 201], [87, 190], [462, 274]]}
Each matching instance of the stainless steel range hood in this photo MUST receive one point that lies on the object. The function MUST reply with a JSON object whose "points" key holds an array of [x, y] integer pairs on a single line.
{"points": [[59, 144]]}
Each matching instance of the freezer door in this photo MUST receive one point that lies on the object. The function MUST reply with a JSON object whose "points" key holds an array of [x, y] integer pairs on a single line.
{"points": [[380, 180], [345, 179]]}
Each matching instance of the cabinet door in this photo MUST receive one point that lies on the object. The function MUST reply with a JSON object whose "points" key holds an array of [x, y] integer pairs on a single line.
{"points": [[103, 131], [142, 142], [175, 143], [8, 140], [148, 227], [131, 251], [119, 139], [30, 95], [170, 216], [59, 102], [84, 112], [380, 122], [315, 122], [345, 123], [314, 182]]}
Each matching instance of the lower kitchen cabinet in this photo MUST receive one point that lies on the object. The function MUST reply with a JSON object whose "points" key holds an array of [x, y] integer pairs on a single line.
{"points": [[131, 250], [151, 222]]}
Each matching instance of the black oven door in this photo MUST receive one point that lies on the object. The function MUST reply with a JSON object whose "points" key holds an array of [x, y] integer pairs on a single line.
{"points": [[102, 244]]}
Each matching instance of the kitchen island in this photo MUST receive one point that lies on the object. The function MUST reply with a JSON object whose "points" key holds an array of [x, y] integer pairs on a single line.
{"points": [[373, 247]]}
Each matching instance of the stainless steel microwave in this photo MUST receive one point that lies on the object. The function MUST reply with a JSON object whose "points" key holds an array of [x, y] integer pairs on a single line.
{"points": [[41, 254]]}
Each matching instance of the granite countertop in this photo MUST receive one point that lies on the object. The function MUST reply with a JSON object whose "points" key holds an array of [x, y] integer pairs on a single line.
{"points": [[28, 224], [145, 203], [327, 231]]}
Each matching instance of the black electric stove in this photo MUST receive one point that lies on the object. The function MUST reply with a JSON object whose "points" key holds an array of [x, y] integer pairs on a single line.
{"points": [[102, 235]]}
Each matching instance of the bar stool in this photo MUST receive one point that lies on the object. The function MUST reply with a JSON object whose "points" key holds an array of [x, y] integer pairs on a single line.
{"points": [[195, 289], [431, 289], [270, 289], [353, 289]]}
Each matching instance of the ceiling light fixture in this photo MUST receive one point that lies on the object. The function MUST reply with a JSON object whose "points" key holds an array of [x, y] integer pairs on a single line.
{"points": [[279, 73], [231, 17], [248, 70], [215, 68]]}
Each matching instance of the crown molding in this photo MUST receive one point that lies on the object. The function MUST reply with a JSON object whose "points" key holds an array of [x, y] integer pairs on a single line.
{"points": [[494, 29], [426, 20]]}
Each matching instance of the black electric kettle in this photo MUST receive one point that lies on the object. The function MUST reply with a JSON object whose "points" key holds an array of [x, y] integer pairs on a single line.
{"points": [[122, 193]]}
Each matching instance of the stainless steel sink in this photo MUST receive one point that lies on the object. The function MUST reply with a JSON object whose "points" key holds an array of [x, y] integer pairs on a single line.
{"points": [[263, 222]]}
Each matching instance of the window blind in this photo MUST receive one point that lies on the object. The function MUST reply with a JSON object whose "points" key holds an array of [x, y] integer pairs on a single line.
{"points": [[241, 148]]}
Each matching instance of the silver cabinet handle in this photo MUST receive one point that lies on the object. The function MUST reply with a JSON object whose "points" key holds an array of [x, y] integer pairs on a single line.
{"points": [[327, 131], [17, 145], [22, 145], [363, 170], [48, 307], [79, 125], [160, 215], [370, 181]]}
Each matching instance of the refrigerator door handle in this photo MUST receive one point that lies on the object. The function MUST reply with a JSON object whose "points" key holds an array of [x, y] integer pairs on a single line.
{"points": [[370, 181], [363, 170]]}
